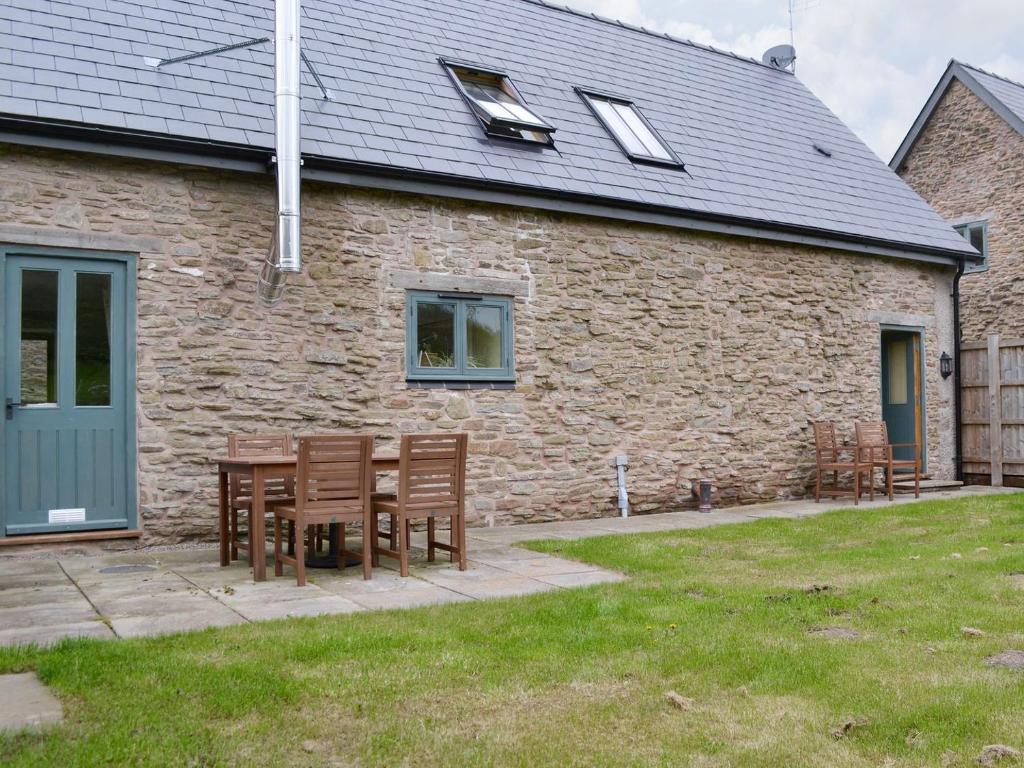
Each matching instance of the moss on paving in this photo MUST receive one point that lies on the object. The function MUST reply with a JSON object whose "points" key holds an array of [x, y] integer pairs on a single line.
{"points": [[723, 616]]}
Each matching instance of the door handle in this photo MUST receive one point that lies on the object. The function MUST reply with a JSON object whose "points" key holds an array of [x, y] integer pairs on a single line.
{"points": [[9, 406]]}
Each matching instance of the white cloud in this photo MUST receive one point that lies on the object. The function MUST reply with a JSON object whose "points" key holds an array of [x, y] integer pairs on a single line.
{"points": [[873, 62]]}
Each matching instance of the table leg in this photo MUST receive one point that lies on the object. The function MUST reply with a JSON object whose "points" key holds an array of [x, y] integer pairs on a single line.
{"points": [[257, 534], [222, 482]]}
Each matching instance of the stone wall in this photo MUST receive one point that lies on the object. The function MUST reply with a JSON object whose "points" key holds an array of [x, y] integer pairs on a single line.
{"points": [[695, 355], [968, 163]]}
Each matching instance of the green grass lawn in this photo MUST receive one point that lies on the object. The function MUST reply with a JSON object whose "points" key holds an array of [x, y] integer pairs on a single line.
{"points": [[722, 616]]}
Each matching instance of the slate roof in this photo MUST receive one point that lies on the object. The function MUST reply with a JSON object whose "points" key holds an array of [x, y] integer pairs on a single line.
{"points": [[745, 131], [1004, 96]]}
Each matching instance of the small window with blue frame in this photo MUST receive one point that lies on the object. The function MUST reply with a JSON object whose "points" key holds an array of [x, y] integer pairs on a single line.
{"points": [[458, 337], [976, 233]]}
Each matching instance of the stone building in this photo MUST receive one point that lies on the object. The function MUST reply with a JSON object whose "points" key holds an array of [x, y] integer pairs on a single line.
{"points": [[570, 238], [965, 156]]}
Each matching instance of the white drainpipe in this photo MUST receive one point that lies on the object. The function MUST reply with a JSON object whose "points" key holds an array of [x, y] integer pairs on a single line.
{"points": [[621, 465], [285, 253]]}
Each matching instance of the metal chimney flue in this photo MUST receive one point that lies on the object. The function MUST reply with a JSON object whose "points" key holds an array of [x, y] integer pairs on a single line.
{"points": [[285, 253]]}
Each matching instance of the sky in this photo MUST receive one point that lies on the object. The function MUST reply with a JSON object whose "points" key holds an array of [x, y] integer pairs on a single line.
{"points": [[873, 62]]}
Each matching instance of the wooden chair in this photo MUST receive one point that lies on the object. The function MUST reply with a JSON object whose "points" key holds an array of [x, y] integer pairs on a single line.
{"points": [[278, 490], [431, 484], [332, 485], [827, 452], [874, 446]]}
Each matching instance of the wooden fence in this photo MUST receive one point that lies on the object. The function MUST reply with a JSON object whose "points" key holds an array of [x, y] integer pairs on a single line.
{"points": [[992, 397]]}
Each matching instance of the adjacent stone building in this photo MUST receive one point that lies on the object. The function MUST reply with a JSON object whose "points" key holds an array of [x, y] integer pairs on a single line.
{"points": [[692, 291], [965, 156]]}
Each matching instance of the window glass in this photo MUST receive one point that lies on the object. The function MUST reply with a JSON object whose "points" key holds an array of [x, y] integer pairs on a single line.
{"points": [[496, 102], [650, 141], [977, 237], [38, 337], [898, 373], [624, 121], [92, 339], [452, 337], [613, 120], [483, 337], [435, 334]]}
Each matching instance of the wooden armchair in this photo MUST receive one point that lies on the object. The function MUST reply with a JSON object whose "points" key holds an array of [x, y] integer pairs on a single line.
{"points": [[431, 484], [277, 490], [333, 484], [873, 445], [827, 453]]}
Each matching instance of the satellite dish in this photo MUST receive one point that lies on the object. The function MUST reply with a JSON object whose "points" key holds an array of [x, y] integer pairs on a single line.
{"points": [[779, 57]]}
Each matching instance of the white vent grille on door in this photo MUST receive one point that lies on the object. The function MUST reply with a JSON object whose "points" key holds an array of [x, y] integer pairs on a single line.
{"points": [[68, 515]]}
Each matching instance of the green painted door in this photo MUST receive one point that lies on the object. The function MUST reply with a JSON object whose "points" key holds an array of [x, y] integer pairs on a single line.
{"points": [[902, 404], [67, 451]]}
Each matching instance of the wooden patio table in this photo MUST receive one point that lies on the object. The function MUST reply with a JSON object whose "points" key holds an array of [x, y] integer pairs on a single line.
{"points": [[259, 468]]}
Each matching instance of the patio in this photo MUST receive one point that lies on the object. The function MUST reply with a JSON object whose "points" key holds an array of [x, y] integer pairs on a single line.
{"points": [[151, 592]]}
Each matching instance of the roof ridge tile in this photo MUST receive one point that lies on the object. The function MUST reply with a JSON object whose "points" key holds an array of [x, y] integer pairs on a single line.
{"points": [[652, 33], [966, 65]]}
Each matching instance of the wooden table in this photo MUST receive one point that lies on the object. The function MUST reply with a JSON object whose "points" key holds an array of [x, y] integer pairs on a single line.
{"points": [[259, 468]]}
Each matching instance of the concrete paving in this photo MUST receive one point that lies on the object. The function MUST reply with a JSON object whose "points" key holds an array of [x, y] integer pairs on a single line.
{"points": [[25, 703], [150, 592]]}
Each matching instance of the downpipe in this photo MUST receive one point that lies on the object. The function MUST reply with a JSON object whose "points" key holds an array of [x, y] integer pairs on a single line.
{"points": [[701, 490], [621, 465], [958, 447]]}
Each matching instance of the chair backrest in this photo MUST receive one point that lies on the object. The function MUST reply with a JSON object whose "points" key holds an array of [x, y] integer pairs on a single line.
{"points": [[432, 470], [334, 472], [871, 434], [267, 444], [826, 446]]}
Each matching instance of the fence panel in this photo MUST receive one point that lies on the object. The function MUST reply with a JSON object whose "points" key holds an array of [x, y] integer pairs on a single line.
{"points": [[992, 400]]}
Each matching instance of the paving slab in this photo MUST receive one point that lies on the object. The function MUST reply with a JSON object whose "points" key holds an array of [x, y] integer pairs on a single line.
{"points": [[36, 614], [277, 600], [171, 623], [546, 565], [581, 578], [48, 635], [388, 590], [480, 581], [27, 704]]}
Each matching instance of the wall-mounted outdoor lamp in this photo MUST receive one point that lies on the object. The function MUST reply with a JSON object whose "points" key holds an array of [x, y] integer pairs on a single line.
{"points": [[946, 365]]}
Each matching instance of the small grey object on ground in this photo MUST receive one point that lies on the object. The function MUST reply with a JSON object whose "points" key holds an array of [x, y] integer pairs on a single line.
{"points": [[25, 703], [840, 633], [679, 701], [1011, 659], [995, 753]]}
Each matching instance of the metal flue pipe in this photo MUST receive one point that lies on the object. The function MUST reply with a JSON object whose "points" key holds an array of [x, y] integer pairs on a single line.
{"points": [[285, 253]]}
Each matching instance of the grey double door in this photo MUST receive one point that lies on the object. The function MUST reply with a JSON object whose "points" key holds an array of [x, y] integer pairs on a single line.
{"points": [[68, 395]]}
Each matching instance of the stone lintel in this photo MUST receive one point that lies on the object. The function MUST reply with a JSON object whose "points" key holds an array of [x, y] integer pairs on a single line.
{"points": [[883, 317], [55, 237], [438, 281]]}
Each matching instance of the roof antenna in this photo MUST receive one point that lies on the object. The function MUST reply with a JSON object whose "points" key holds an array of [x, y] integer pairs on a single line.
{"points": [[792, 39], [783, 56]]}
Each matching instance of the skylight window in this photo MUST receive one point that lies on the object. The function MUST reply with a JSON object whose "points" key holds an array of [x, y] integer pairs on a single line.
{"points": [[499, 106], [630, 129]]}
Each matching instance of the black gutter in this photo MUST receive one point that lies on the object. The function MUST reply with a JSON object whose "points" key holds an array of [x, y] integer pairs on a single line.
{"points": [[253, 159], [958, 448]]}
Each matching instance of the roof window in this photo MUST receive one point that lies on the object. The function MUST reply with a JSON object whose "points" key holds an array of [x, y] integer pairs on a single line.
{"points": [[630, 129], [499, 106]]}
